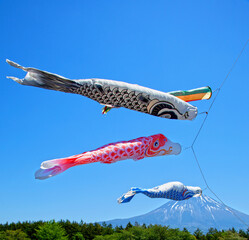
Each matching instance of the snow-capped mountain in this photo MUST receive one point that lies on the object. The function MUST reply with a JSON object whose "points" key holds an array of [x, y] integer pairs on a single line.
{"points": [[198, 212]]}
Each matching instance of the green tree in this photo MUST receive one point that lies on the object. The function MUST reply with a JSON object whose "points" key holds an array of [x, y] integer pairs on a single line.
{"points": [[51, 231], [129, 225], [199, 234], [71, 228], [230, 235], [247, 233], [108, 230], [212, 234], [118, 229], [242, 233], [78, 236], [125, 235], [13, 235], [176, 234]]}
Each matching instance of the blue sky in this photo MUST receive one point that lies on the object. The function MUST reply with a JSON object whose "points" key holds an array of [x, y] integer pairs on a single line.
{"points": [[164, 45]]}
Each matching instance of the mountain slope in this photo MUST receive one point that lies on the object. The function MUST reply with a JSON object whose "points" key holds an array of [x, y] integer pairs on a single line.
{"points": [[201, 212]]}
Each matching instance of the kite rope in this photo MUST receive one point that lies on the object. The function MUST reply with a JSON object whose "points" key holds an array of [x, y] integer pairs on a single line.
{"points": [[202, 113], [236, 215], [198, 133], [218, 91]]}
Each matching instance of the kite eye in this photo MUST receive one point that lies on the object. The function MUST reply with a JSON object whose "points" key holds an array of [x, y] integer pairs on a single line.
{"points": [[186, 115], [156, 143]]}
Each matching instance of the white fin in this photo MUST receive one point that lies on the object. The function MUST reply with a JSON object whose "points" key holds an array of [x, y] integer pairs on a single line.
{"points": [[16, 65]]}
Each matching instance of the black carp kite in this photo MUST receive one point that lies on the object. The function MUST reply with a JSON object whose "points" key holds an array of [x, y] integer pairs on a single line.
{"points": [[115, 94]]}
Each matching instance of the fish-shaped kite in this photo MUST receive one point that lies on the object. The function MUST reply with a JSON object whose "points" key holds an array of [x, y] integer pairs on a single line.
{"points": [[136, 149], [171, 190], [115, 94]]}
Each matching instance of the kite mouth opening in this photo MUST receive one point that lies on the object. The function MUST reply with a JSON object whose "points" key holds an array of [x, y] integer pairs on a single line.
{"points": [[198, 194], [44, 173]]}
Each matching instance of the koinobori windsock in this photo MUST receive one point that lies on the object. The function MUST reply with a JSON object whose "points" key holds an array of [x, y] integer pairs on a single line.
{"points": [[136, 149], [171, 190], [115, 94]]}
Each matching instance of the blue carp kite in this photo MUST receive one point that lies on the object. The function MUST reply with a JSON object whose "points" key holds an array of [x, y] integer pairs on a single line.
{"points": [[171, 190]]}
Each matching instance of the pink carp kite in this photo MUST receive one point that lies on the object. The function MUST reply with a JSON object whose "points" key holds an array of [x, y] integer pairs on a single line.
{"points": [[136, 149]]}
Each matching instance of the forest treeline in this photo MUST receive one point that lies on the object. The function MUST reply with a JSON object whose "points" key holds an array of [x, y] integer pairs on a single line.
{"points": [[66, 230]]}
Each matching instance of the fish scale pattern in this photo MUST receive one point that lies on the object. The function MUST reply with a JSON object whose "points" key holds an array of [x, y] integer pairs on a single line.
{"points": [[122, 150], [117, 97], [170, 194]]}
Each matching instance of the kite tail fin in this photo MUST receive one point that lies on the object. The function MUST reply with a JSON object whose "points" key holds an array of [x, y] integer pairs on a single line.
{"points": [[129, 195], [42, 79], [54, 167]]}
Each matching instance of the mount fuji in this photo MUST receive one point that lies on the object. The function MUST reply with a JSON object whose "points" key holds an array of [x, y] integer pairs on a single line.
{"points": [[198, 212]]}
